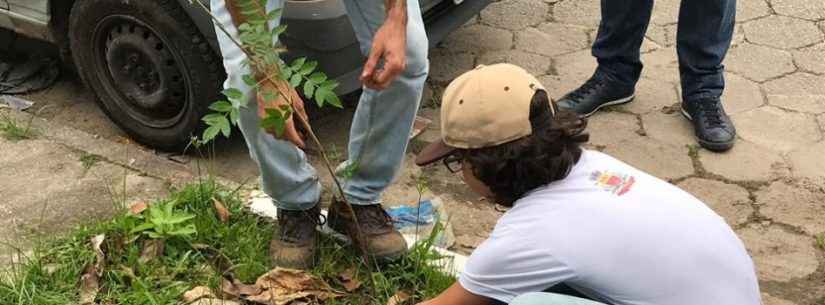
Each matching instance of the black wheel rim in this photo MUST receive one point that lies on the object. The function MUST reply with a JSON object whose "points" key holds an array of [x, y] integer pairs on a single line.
{"points": [[140, 73]]}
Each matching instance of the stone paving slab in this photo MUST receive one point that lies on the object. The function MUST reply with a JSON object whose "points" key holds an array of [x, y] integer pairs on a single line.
{"points": [[793, 205], [731, 201], [780, 255]]}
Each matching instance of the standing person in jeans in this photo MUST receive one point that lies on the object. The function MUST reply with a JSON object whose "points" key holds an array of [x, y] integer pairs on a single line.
{"points": [[704, 35], [391, 34]]}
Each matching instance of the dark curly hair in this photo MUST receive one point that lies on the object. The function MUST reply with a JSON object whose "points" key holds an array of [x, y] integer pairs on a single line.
{"points": [[512, 169]]}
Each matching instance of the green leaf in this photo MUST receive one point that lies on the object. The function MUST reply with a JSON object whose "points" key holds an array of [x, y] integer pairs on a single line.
{"points": [[278, 30], [298, 63], [221, 106], [274, 14], [295, 80], [226, 128], [274, 120], [233, 116], [187, 230], [180, 218], [249, 80], [143, 227], [154, 235], [318, 77], [210, 133], [233, 93], [330, 84], [212, 118], [325, 95], [309, 89], [308, 67], [286, 72]]}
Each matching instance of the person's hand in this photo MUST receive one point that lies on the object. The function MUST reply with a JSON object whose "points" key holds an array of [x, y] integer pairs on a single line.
{"points": [[389, 44], [291, 133]]}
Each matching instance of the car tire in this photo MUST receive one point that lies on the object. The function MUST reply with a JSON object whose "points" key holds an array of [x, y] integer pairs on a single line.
{"points": [[151, 69]]}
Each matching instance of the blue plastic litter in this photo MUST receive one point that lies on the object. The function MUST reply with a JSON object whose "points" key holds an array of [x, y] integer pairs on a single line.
{"points": [[408, 216]]}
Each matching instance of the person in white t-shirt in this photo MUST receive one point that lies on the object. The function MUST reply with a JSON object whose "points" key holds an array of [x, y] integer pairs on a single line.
{"points": [[581, 222]]}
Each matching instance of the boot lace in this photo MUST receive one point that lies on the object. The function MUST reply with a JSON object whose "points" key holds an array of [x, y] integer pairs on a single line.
{"points": [[592, 84], [711, 113]]}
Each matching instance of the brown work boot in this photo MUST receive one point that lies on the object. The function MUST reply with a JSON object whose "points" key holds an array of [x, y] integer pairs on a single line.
{"points": [[293, 244], [382, 241]]}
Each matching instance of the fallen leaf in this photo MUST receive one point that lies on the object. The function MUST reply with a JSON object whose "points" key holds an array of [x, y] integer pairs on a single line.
{"points": [[236, 289], [90, 280], [89, 285], [152, 248], [138, 207], [197, 293], [215, 302], [348, 280], [399, 298], [223, 213], [282, 286], [97, 242]]}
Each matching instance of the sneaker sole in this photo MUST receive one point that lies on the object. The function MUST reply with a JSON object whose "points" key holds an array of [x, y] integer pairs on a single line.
{"points": [[620, 101], [712, 146]]}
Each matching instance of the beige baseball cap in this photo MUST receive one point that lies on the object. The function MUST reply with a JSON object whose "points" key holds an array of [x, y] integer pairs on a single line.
{"points": [[487, 106]]}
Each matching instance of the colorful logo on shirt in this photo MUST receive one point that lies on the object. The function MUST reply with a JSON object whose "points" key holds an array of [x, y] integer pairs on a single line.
{"points": [[618, 184]]}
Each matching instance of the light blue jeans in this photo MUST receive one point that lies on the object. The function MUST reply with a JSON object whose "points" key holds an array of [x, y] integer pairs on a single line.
{"points": [[380, 130], [545, 298]]}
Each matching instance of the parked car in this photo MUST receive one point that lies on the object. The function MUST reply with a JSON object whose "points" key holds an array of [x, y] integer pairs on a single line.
{"points": [[154, 65]]}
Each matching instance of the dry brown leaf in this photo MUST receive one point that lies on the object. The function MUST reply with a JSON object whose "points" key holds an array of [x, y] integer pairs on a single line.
{"points": [[89, 285], [97, 242], [197, 293], [223, 212], [348, 280], [152, 248], [90, 280], [399, 298], [215, 302], [282, 286], [235, 288], [138, 207]]}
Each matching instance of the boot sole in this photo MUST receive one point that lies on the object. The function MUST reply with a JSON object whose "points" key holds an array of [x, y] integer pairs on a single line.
{"points": [[712, 146], [620, 101]]}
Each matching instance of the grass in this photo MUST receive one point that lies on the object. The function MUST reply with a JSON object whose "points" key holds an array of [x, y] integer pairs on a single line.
{"points": [[820, 241], [49, 275], [13, 130], [88, 160]]}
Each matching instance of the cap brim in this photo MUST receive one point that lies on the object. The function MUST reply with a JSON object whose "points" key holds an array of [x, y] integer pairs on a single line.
{"points": [[434, 152]]}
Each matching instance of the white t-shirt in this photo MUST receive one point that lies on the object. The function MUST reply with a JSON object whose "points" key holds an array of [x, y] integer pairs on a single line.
{"points": [[618, 235]]}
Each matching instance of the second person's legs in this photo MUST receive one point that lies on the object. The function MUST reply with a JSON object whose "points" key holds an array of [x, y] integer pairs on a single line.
{"points": [[381, 128], [703, 38]]}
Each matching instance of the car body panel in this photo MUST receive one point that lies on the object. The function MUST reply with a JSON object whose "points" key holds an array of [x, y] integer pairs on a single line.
{"points": [[34, 9], [335, 48]]}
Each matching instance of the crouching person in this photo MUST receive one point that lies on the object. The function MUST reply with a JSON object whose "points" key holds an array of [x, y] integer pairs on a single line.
{"points": [[581, 223]]}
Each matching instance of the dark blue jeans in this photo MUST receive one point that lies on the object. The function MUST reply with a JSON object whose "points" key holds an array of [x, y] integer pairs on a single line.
{"points": [[704, 34]]}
